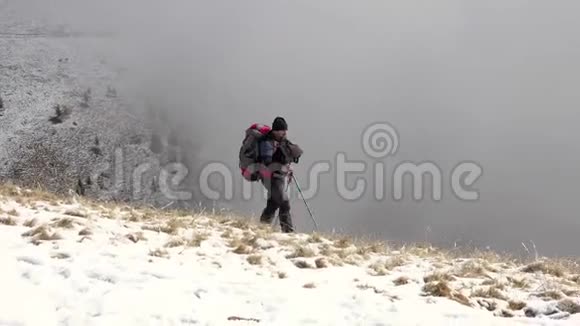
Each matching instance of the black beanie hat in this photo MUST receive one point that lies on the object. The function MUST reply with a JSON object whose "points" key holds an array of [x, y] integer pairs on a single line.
{"points": [[279, 124]]}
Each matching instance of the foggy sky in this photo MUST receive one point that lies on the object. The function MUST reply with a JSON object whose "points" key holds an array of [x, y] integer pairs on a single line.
{"points": [[493, 82]]}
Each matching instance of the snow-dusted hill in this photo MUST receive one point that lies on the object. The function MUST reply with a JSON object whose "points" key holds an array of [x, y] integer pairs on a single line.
{"points": [[66, 120], [66, 261]]}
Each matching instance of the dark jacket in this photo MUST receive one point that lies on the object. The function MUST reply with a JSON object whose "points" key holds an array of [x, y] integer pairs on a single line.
{"points": [[277, 155]]}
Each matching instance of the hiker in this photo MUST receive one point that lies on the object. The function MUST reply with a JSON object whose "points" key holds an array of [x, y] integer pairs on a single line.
{"points": [[275, 154]]}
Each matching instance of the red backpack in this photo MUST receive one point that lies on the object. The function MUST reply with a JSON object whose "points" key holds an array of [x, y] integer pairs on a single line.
{"points": [[249, 151]]}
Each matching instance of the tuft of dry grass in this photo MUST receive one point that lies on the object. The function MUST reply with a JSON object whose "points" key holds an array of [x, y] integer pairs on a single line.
{"points": [[395, 262], [309, 286], [302, 264], [64, 223], [381, 268], [343, 242], [438, 289], [376, 248], [369, 287], [41, 233], [490, 305], [321, 262], [282, 275], [197, 238], [378, 269], [497, 283], [8, 221], [136, 237], [85, 231], [438, 277], [255, 259], [442, 289], [550, 295], [569, 306], [301, 251], [402, 280], [60, 255], [546, 267], [516, 305], [522, 283], [159, 252], [490, 292], [174, 242], [227, 234], [473, 269], [243, 249], [314, 238], [30, 222], [571, 293], [13, 212], [171, 227], [76, 213], [235, 222]]}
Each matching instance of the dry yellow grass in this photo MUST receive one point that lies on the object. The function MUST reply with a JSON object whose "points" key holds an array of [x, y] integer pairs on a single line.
{"points": [[442, 289], [60, 255], [495, 282], [42, 233], [395, 261], [490, 305], [401, 280], [282, 275], [227, 234], [159, 252], [136, 237], [551, 295], [343, 242], [521, 283], [301, 251], [175, 242], [30, 222], [302, 264], [378, 269], [171, 227], [243, 249], [64, 223], [314, 238], [569, 306], [547, 267], [309, 286], [255, 259], [439, 276], [489, 292], [245, 244], [76, 213], [321, 262], [13, 212], [516, 305], [197, 238], [8, 221], [472, 269], [85, 231]]}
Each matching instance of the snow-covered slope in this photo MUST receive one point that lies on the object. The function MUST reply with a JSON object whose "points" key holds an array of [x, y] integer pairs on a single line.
{"points": [[66, 261]]}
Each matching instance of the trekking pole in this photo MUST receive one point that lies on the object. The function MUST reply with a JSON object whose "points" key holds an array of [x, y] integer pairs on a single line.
{"points": [[305, 203]]}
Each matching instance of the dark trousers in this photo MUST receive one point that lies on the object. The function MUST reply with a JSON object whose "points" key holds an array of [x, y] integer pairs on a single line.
{"points": [[277, 199]]}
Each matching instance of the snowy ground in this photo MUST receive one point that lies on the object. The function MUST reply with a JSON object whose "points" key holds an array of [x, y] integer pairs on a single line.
{"points": [[66, 262]]}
